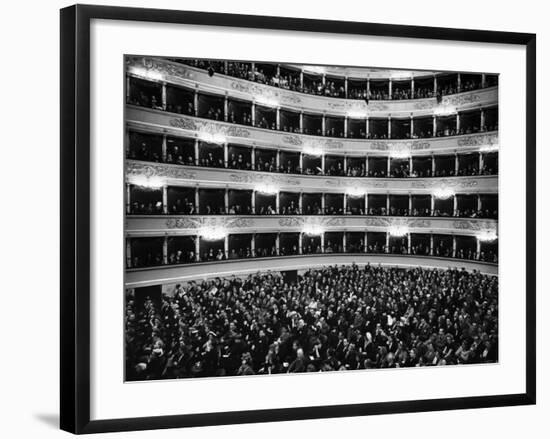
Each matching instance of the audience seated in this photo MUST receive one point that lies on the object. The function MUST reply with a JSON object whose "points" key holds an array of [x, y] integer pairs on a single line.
{"points": [[330, 319], [290, 80]]}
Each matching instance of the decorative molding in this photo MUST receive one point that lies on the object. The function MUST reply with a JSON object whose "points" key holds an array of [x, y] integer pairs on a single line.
{"points": [[142, 169], [478, 225], [197, 223], [461, 99], [377, 106], [265, 92], [160, 66], [293, 140], [182, 223], [209, 127], [425, 104], [477, 140], [379, 146], [444, 183], [360, 183], [238, 223], [291, 222], [392, 222], [332, 144], [184, 123], [419, 223], [323, 221], [181, 175], [158, 121], [418, 145], [266, 179], [377, 222], [334, 222]]}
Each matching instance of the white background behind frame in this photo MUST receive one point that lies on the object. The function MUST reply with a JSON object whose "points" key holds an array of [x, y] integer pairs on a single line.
{"points": [[112, 398], [30, 389]]}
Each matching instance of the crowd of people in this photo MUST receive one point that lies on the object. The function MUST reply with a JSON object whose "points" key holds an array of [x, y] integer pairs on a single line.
{"points": [[185, 253], [336, 318], [242, 161], [289, 79], [267, 120], [186, 206]]}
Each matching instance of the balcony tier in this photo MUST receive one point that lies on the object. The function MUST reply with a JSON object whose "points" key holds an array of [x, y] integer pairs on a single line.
{"points": [[180, 175], [143, 277], [363, 72], [162, 122], [159, 70], [152, 225]]}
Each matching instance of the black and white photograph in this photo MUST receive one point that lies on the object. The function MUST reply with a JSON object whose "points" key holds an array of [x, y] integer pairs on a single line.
{"points": [[270, 220], [295, 218]]}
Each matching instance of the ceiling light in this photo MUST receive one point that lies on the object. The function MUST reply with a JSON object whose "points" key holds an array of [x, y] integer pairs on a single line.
{"points": [[400, 154], [398, 231], [443, 193], [313, 229], [268, 189], [212, 137], [444, 110], [148, 182], [269, 102], [213, 233], [487, 235], [356, 192], [316, 151]]}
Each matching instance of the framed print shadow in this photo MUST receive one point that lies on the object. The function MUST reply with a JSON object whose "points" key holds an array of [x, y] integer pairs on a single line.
{"points": [[271, 218]]}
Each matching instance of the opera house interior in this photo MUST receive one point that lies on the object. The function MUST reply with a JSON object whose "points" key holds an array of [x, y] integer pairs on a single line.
{"points": [[285, 218]]}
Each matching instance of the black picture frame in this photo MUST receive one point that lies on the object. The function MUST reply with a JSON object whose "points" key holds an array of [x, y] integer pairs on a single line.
{"points": [[75, 217]]}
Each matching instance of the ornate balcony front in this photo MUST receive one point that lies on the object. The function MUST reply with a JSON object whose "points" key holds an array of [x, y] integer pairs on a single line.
{"points": [[162, 122], [159, 70], [178, 175], [168, 276], [157, 225]]}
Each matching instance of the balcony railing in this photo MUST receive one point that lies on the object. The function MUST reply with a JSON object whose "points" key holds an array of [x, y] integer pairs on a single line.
{"points": [[158, 121], [178, 225], [144, 173], [191, 78], [172, 274]]}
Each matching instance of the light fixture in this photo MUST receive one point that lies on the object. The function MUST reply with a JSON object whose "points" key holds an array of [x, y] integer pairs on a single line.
{"points": [[400, 154], [148, 182], [313, 229], [212, 137], [148, 73], [487, 235], [212, 233], [444, 110], [443, 193], [313, 150], [489, 148], [356, 192], [398, 231], [156, 76], [357, 114], [266, 188], [268, 102]]}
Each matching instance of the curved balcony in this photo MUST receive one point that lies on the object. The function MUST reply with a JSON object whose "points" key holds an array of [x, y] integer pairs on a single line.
{"points": [[138, 172], [196, 79], [175, 274], [174, 225], [162, 122]]}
